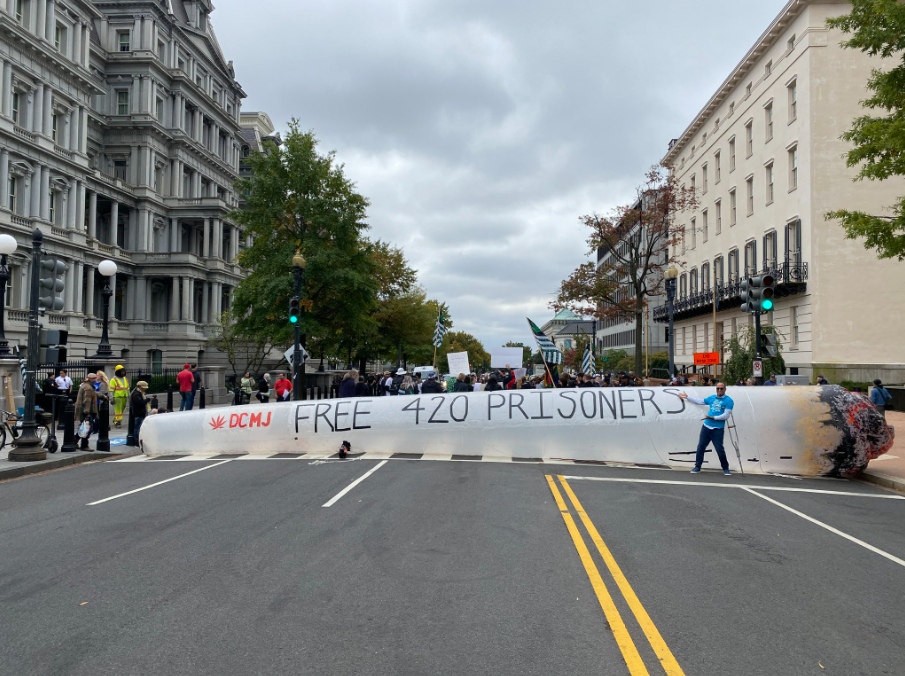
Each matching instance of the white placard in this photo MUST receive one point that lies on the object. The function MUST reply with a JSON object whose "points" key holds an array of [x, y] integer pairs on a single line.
{"points": [[758, 369], [458, 363], [519, 373], [506, 356]]}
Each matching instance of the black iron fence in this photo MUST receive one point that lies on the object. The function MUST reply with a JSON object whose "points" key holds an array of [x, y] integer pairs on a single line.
{"points": [[158, 379], [790, 279]]}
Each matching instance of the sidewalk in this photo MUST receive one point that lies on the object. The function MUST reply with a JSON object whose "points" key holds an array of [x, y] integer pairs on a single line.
{"points": [[889, 470], [12, 470]]}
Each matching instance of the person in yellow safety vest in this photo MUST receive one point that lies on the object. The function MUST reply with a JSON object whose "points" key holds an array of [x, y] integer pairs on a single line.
{"points": [[119, 385]]}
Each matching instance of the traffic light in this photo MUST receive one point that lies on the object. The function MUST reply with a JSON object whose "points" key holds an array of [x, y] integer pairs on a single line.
{"points": [[51, 286], [768, 342], [53, 346], [766, 292], [293, 310], [757, 294], [745, 289]]}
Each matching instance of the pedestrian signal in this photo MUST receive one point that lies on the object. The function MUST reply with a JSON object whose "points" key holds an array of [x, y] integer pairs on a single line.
{"points": [[293, 310], [51, 286], [768, 342]]}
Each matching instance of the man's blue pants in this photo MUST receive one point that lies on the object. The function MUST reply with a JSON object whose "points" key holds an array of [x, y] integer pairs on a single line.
{"points": [[711, 435]]}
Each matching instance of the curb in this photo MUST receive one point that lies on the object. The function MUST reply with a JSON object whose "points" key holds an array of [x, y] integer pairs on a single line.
{"points": [[46, 466], [882, 479]]}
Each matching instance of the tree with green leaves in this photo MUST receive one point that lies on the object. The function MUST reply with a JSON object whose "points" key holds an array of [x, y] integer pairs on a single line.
{"points": [[742, 353], [877, 27], [460, 341], [298, 200]]}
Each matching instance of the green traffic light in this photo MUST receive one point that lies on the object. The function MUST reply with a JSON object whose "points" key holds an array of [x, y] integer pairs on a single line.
{"points": [[293, 320], [767, 305]]}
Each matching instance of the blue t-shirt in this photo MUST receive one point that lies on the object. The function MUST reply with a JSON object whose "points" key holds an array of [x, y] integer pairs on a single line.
{"points": [[718, 406]]}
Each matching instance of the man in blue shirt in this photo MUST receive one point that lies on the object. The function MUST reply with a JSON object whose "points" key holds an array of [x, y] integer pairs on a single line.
{"points": [[714, 425], [772, 382]]}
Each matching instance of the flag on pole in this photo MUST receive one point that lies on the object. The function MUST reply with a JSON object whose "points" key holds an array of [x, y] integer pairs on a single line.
{"points": [[440, 330], [547, 347], [587, 362], [23, 370]]}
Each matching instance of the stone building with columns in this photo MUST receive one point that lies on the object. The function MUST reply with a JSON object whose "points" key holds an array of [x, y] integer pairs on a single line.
{"points": [[120, 139]]}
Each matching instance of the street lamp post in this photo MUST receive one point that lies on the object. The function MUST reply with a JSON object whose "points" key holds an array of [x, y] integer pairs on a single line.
{"points": [[671, 274], [7, 246], [27, 447], [298, 369], [107, 268]]}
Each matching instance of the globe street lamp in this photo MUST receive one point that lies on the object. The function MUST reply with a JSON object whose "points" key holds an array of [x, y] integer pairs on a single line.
{"points": [[8, 246], [107, 268], [671, 274], [298, 263]]}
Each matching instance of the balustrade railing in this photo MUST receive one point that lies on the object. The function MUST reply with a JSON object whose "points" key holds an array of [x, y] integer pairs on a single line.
{"points": [[783, 273], [25, 134]]}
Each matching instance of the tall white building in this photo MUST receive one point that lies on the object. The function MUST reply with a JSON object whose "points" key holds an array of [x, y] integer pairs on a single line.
{"points": [[120, 139], [766, 159]]}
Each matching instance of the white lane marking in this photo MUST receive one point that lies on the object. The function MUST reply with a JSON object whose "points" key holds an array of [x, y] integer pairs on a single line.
{"points": [[711, 484], [352, 485], [144, 488], [894, 559]]}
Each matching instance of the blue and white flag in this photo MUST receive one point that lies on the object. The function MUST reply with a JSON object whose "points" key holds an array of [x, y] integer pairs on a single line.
{"points": [[587, 362]]}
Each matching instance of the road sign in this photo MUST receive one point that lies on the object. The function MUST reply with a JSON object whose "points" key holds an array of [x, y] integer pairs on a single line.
{"points": [[291, 352], [706, 358], [758, 368]]}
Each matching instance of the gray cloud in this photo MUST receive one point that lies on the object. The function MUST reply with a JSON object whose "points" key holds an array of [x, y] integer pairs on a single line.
{"points": [[481, 131]]}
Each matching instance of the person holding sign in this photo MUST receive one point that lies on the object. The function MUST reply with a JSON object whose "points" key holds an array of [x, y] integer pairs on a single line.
{"points": [[714, 425]]}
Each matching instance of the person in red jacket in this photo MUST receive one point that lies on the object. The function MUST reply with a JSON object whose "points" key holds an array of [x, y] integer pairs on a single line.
{"points": [[283, 387], [185, 379]]}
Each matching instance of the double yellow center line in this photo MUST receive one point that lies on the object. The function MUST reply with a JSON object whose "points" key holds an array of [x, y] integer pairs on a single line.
{"points": [[621, 633]]}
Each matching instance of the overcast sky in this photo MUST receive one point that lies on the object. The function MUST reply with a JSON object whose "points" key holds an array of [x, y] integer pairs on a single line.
{"points": [[481, 130]]}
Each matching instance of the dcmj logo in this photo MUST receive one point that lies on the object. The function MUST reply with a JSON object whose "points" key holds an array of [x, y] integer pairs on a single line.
{"points": [[242, 420]]}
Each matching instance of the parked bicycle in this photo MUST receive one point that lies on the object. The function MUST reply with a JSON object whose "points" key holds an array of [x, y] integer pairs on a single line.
{"points": [[11, 428]]}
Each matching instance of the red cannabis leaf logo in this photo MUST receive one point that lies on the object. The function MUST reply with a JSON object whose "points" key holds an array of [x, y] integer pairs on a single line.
{"points": [[218, 423]]}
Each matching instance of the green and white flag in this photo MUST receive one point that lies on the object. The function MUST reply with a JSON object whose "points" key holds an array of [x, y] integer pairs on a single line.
{"points": [[548, 349], [440, 331]]}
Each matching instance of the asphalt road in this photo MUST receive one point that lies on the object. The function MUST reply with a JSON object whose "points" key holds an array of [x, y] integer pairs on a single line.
{"points": [[445, 568]]}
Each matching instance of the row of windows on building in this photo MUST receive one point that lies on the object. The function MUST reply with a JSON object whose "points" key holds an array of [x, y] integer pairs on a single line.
{"points": [[699, 337], [620, 339], [125, 42], [699, 279], [702, 225], [792, 102]]}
